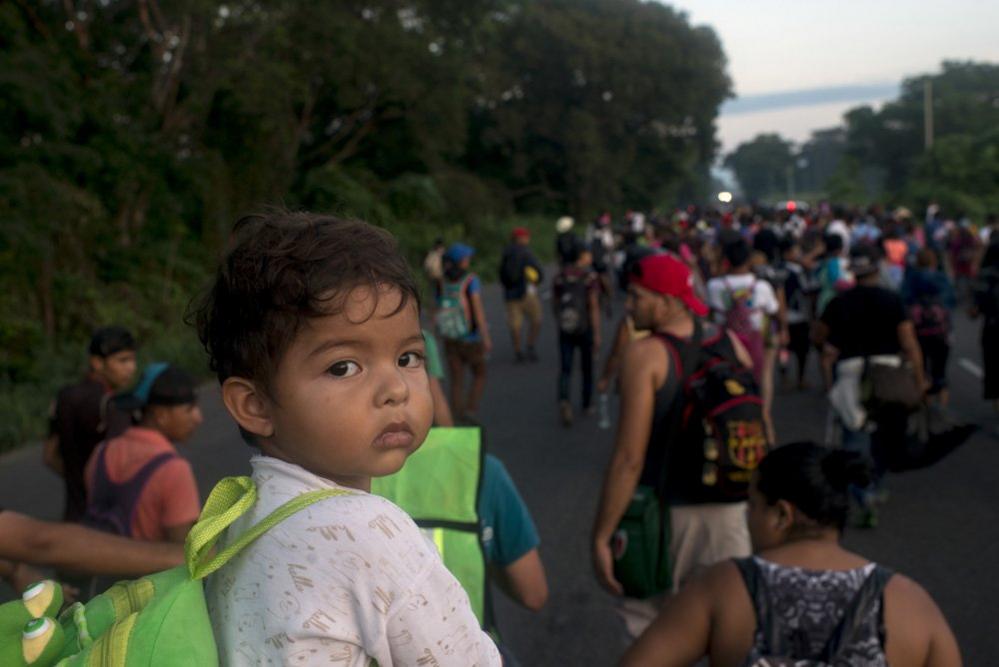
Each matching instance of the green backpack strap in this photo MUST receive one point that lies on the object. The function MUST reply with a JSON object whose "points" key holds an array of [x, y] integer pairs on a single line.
{"points": [[231, 498]]}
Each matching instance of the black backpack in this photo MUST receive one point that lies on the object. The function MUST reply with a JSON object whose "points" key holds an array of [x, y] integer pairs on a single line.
{"points": [[846, 635], [722, 413], [573, 303], [565, 245], [511, 273], [930, 318], [601, 255]]}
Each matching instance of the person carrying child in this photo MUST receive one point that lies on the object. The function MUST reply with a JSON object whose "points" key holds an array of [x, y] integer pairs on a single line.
{"points": [[312, 325]]}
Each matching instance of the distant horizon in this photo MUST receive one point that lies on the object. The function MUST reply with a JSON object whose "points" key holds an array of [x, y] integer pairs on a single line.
{"points": [[804, 97], [796, 67], [794, 115]]}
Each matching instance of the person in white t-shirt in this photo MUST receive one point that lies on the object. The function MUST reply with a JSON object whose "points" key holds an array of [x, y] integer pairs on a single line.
{"points": [[843, 229], [740, 284], [312, 325], [763, 302]]}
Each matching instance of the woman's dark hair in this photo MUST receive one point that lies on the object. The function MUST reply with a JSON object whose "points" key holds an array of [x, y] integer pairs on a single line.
{"points": [[669, 238], [111, 340], [786, 244], [892, 231], [737, 253], [282, 269], [814, 479], [768, 242], [834, 244]]}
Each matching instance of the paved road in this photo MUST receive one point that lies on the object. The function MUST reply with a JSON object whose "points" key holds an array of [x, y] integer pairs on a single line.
{"points": [[939, 528]]}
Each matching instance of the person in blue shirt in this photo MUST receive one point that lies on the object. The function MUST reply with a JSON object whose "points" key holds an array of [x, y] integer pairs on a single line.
{"points": [[508, 535], [509, 538], [470, 347], [929, 297], [866, 231]]}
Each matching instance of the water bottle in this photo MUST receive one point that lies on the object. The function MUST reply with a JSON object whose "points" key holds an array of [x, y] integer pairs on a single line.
{"points": [[603, 405]]}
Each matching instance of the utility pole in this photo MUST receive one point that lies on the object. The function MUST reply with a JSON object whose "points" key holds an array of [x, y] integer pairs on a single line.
{"points": [[928, 113]]}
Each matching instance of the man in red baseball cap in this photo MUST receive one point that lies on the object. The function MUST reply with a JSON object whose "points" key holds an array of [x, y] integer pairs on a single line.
{"points": [[656, 448], [666, 276], [520, 273]]}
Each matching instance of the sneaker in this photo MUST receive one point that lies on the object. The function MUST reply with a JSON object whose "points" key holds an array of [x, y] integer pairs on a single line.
{"points": [[519, 357], [532, 355], [565, 413]]}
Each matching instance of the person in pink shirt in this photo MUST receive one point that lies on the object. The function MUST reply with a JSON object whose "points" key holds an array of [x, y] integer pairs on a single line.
{"points": [[137, 484]]}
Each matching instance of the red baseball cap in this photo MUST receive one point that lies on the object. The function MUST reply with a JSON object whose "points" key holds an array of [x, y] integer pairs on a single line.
{"points": [[666, 275], [520, 232]]}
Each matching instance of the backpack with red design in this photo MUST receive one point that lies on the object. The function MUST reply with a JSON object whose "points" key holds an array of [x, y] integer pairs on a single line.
{"points": [[739, 320], [722, 414], [930, 317]]}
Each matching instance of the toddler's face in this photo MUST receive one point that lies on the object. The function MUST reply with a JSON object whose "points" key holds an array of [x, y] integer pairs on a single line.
{"points": [[351, 394]]}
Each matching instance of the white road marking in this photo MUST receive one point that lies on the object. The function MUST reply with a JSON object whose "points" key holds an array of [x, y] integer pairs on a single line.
{"points": [[972, 367]]}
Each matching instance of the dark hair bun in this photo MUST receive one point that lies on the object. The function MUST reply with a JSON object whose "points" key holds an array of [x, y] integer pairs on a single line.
{"points": [[843, 468]]}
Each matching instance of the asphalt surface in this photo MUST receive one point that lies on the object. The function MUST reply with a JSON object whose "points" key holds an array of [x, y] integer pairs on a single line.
{"points": [[940, 526]]}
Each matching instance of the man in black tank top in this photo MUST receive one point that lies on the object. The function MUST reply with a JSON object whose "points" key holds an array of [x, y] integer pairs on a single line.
{"points": [[649, 448]]}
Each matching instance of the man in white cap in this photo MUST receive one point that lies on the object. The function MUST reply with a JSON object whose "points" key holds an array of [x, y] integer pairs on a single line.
{"points": [[565, 241]]}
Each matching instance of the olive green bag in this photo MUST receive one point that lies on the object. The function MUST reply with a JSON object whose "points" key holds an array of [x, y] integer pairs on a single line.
{"points": [[156, 621], [640, 546]]}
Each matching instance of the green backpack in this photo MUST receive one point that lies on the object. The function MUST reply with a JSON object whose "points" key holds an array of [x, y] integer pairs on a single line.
{"points": [[157, 620], [453, 317]]}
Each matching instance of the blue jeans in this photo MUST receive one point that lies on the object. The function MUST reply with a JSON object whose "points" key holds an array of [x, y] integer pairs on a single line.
{"points": [[863, 443]]}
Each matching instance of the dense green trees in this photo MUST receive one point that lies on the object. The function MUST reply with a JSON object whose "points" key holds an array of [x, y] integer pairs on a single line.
{"points": [[881, 155], [960, 169], [763, 166], [132, 132]]}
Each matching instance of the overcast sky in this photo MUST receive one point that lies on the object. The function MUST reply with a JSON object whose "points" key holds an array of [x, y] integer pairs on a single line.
{"points": [[798, 65]]}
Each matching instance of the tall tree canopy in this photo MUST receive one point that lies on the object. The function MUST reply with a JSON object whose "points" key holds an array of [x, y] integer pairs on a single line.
{"points": [[762, 165], [132, 132], [881, 154], [887, 146]]}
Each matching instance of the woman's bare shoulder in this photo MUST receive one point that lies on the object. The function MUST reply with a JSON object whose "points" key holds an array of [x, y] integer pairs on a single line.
{"points": [[720, 580], [916, 630], [909, 595]]}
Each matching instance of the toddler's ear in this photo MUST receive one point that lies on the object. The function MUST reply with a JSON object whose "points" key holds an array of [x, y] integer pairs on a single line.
{"points": [[248, 406]]}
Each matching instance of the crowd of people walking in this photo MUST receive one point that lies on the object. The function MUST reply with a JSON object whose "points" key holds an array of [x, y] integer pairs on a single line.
{"points": [[716, 537]]}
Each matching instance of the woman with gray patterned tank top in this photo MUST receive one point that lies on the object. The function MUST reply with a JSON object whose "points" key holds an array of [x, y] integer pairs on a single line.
{"points": [[801, 600]]}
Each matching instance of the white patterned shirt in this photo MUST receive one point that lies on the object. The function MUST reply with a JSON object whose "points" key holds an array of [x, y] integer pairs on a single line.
{"points": [[344, 581]]}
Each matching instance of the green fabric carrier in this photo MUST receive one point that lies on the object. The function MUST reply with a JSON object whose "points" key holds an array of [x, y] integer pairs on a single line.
{"points": [[640, 546], [162, 619], [439, 488]]}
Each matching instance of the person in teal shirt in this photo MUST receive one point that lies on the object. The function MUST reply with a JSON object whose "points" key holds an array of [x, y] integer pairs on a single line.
{"points": [[508, 535]]}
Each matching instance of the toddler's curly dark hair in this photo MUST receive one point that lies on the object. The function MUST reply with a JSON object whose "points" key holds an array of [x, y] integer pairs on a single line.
{"points": [[281, 269]]}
